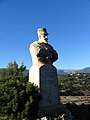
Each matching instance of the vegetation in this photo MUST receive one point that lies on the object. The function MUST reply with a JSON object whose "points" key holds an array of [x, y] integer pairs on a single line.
{"points": [[73, 84], [12, 71], [18, 98]]}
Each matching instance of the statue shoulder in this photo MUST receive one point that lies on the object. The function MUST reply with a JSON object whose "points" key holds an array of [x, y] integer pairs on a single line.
{"points": [[34, 44], [49, 46]]}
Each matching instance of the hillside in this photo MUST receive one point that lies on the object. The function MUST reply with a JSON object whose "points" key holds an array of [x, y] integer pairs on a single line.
{"points": [[62, 71], [73, 71]]}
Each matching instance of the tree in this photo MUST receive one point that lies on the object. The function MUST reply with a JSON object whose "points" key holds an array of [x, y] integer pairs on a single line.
{"points": [[2, 73], [14, 72], [18, 98], [73, 84]]}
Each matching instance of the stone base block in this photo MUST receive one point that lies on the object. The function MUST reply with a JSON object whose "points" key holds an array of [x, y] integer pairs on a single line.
{"points": [[51, 110]]}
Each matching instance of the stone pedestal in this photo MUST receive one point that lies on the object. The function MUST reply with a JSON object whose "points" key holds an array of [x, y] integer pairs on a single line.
{"points": [[34, 75], [46, 79]]}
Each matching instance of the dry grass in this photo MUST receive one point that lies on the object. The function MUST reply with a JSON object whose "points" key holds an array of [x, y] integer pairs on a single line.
{"points": [[77, 99]]}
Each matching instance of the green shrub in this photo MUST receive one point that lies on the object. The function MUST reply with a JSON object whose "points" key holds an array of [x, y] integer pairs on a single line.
{"points": [[18, 100]]}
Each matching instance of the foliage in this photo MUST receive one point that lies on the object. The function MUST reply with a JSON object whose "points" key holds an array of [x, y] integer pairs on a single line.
{"points": [[74, 83], [13, 72], [18, 100]]}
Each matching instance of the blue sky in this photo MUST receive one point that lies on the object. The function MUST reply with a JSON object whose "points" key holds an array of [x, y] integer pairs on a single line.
{"points": [[67, 22]]}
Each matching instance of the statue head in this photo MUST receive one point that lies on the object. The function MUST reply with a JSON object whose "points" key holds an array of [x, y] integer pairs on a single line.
{"points": [[42, 35]]}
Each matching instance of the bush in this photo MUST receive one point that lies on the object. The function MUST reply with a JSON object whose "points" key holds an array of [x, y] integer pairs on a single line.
{"points": [[18, 100]]}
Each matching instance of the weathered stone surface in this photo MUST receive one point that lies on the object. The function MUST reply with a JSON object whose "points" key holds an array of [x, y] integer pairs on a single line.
{"points": [[46, 79], [43, 74], [34, 75], [49, 85], [42, 53]]}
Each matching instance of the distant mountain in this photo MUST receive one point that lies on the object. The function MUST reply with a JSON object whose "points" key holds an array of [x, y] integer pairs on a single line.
{"points": [[85, 70], [68, 71], [73, 71], [64, 71]]}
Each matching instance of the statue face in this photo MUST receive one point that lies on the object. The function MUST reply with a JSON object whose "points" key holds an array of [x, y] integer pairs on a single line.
{"points": [[43, 38]]}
